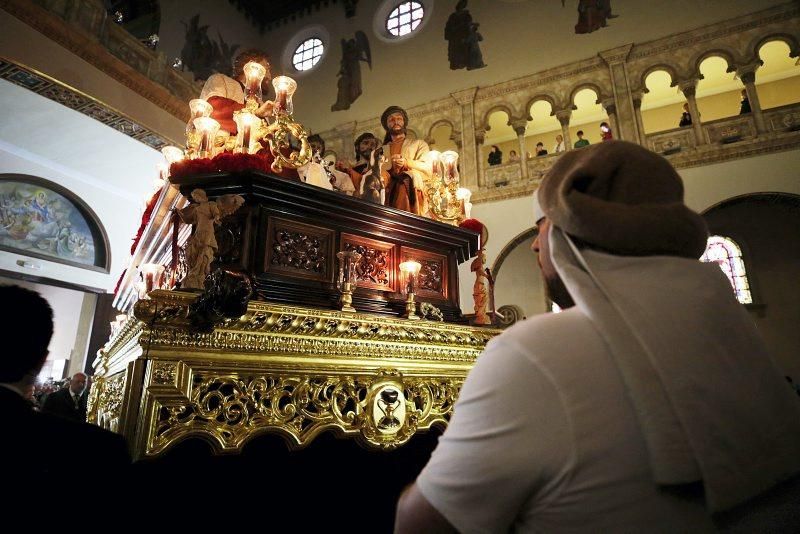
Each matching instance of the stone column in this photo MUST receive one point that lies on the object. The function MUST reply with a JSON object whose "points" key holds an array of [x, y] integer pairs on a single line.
{"points": [[637, 113], [689, 88], [747, 74], [469, 155], [610, 105], [624, 119], [519, 126], [480, 137], [563, 117]]}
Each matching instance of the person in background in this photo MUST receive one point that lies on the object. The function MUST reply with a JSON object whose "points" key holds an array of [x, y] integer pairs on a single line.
{"points": [[69, 402], [605, 132], [495, 156], [744, 107], [581, 142], [513, 157], [649, 403], [686, 117], [38, 447], [559, 146], [540, 150]]}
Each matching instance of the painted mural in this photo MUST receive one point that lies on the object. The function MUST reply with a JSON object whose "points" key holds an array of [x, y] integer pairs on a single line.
{"points": [[35, 219]]}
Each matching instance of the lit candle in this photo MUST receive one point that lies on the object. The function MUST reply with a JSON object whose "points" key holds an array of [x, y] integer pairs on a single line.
{"points": [[284, 89], [253, 73], [207, 128], [151, 275], [450, 159], [410, 268], [245, 121], [436, 163], [464, 195], [198, 108]]}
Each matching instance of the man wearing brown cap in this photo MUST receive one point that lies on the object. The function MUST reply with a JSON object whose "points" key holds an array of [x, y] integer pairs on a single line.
{"points": [[408, 167], [650, 403]]}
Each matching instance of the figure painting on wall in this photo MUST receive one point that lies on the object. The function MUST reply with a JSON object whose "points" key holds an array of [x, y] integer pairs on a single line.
{"points": [[593, 15], [354, 51], [463, 38], [37, 220]]}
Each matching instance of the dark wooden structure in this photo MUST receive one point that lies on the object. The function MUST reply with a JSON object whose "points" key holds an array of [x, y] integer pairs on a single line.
{"points": [[287, 234]]}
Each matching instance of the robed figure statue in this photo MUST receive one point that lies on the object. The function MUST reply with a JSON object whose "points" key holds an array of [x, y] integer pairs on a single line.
{"points": [[354, 51]]}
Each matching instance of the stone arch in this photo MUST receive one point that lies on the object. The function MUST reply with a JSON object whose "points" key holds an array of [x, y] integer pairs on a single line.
{"points": [[585, 85], [669, 69], [547, 97], [59, 210], [726, 53], [497, 107], [454, 133], [511, 245], [790, 40]]}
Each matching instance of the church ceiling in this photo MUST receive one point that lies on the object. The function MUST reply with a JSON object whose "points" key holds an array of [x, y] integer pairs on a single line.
{"points": [[266, 15]]}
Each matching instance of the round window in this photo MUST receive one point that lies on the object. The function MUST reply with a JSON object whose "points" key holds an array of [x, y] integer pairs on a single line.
{"points": [[308, 54], [405, 18]]}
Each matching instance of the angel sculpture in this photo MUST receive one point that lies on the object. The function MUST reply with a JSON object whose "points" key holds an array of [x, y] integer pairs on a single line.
{"points": [[354, 51], [202, 244]]}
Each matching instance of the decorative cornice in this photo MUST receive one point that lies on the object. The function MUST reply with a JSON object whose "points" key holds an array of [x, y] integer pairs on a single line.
{"points": [[90, 48], [65, 95]]}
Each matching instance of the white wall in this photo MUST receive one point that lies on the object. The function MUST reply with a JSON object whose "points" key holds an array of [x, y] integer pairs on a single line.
{"points": [[70, 329], [108, 170]]}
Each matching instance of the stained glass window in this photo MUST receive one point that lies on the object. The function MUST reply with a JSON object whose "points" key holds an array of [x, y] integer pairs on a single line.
{"points": [[307, 54], [727, 254], [405, 18]]}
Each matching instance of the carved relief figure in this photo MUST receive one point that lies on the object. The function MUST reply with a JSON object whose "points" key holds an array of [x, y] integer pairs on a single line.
{"points": [[203, 214], [461, 33], [354, 51], [201, 55]]}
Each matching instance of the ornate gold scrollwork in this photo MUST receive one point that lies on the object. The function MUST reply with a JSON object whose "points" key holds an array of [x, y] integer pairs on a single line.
{"points": [[277, 135], [381, 410]]}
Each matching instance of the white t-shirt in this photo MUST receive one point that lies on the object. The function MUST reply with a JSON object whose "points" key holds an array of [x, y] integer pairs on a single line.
{"points": [[544, 439]]}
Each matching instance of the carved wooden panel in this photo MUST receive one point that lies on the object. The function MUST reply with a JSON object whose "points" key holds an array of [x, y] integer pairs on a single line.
{"points": [[299, 250], [376, 268], [433, 279], [230, 235]]}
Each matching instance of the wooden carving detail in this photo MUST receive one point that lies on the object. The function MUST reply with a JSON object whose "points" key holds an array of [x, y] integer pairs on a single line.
{"points": [[375, 268], [430, 276], [299, 250], [432, 281]]}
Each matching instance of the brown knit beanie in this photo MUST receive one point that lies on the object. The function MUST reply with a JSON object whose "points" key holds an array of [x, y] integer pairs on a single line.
{"points": [[622, 198]]}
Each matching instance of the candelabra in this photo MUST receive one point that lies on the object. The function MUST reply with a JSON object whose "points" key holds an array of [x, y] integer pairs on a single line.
{"points": [[346, 282], [410, 269]]}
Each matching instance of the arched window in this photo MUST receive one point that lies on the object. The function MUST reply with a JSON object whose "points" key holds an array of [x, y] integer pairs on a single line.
{"points": [[727, 254]]}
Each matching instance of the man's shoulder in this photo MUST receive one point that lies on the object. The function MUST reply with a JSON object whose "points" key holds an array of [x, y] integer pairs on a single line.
{"points": [[550, 334]]}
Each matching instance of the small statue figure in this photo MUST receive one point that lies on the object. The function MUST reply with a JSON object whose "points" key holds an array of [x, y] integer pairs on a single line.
{"points": [[202, 245], [479, 293], [371, 183]]}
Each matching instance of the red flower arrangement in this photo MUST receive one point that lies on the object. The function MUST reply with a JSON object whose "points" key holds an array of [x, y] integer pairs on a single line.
{"points": [[227, 162]]}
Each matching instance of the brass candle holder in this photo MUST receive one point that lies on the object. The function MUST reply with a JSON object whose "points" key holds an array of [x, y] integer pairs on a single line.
{"points": [[409, 270], [346, 282]]}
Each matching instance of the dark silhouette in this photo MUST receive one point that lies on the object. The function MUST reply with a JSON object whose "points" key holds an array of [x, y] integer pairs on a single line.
{"points": [[593, 15], [461, 34], [495, 156], [201, 55], [354, 51], [686, 117], [745, 106], [39, 448]]}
